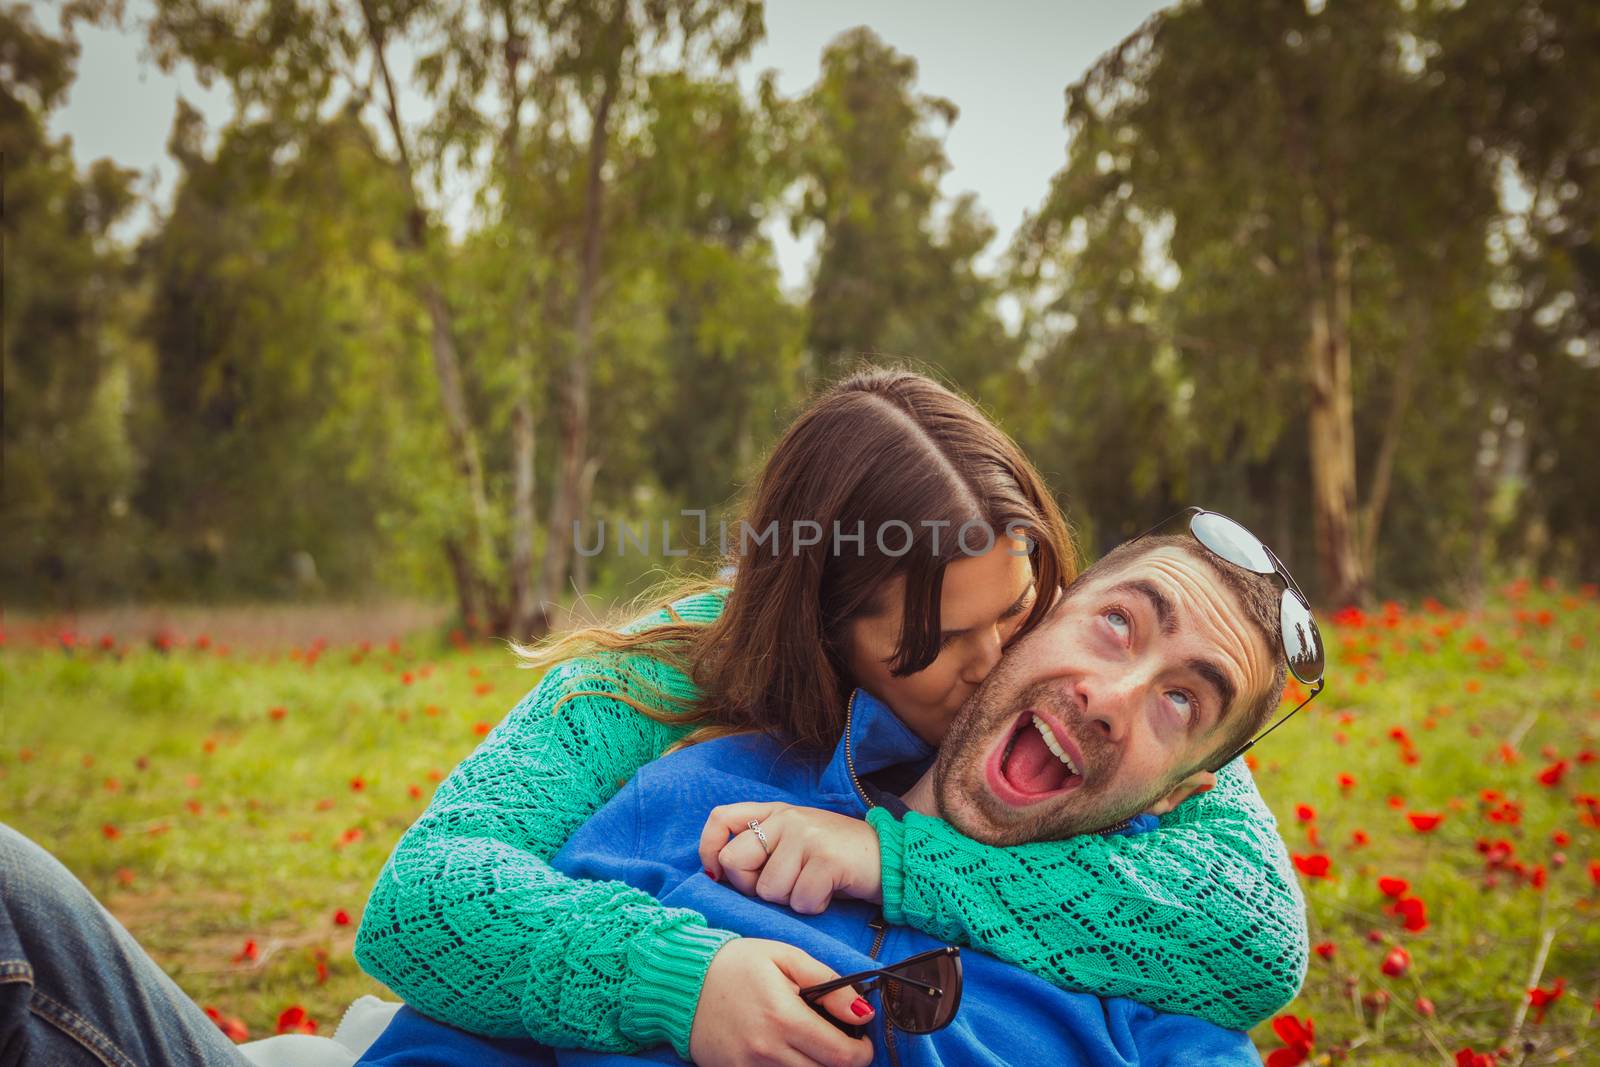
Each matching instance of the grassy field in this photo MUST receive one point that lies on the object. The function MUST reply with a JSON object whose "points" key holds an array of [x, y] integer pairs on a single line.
{"points": [[233, 807]]}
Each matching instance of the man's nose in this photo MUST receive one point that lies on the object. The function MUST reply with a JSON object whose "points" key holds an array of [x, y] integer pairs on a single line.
{"points": [[987, 647], [1108, 704]]}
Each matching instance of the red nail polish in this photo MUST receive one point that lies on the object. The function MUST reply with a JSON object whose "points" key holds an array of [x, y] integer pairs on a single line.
{"points": [[710, 874], [861, 1008]]}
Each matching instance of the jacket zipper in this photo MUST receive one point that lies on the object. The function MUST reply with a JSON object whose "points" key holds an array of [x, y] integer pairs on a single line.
{"points": [[880, 928], [879, 925], [849, 751]]}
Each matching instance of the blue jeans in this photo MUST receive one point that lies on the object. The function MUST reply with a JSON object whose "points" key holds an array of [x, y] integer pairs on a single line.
{"points": [[76, 989]]}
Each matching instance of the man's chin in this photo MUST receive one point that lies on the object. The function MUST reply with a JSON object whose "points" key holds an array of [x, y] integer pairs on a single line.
{"points": [[988, 821]]}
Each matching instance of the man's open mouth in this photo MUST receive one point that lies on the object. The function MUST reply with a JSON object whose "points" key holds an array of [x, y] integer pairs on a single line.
{"points": [[1036, 762]]}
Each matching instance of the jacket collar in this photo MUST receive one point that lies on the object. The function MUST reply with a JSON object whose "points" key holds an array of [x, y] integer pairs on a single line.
{"points": [[874, 739]]}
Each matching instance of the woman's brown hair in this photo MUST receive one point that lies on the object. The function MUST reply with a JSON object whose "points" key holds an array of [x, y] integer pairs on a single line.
{"points": [[887, 473]]}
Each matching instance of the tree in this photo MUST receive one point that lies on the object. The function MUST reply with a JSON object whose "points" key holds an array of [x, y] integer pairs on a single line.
{"points": [[1291, 173], [511, 78], [282, 360], [70, 366], [1520, 73], [896, 274]]}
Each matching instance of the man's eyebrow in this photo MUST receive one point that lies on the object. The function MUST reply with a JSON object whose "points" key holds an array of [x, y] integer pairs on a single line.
{"points": [[1214, 677], [1166, 618]]}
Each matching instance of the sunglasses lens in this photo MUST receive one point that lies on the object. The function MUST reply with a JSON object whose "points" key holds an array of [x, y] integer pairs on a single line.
{"points": [[1302, 642], [906, 999], [1232, 542]]}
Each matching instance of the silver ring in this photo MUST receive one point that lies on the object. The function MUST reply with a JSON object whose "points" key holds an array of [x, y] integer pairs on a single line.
{"points": [[761, 835]]}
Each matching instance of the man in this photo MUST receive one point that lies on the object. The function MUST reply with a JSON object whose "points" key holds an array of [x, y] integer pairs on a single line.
{"points": [[1155, 667]]}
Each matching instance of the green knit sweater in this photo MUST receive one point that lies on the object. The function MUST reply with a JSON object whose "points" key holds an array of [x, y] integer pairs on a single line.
{"points": [[470, 924]]}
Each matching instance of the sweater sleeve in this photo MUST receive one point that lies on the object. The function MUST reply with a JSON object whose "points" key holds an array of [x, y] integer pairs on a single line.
{"points": [[1202, 916], [471, 925]]}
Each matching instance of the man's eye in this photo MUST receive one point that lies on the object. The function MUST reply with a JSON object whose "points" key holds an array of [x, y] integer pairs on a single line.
{"points": [[1118, 622], [1182, 701]]}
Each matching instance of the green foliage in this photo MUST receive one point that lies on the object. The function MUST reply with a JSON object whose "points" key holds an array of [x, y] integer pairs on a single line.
{"points": [[72, 371], [1219, 160], [251, 400], [286, 343], [896, 275]]}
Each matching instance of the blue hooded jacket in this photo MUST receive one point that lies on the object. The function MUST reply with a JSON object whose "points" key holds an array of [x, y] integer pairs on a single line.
{"points": [[648, 836]]}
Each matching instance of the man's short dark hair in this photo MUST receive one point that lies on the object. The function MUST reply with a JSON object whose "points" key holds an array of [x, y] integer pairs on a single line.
{"points": [[1261, 600]]}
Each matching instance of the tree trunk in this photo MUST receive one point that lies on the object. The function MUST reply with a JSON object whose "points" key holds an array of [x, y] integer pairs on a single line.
{"points": [[1331, 424], [465, 558], [1383, 467], [568, 503], [580, 564], [527, 614]]}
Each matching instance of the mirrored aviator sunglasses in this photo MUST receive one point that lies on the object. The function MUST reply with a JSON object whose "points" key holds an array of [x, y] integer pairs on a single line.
{"points": [[1297, 629]]}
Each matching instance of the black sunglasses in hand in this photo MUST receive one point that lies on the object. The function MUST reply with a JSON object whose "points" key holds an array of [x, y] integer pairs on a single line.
{"points": [[920, 994]]}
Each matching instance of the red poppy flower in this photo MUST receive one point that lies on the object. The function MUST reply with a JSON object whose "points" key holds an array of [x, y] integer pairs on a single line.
{"points": [[248, 953], [1414, 912], [231, 1026], [294, 1020], [341, 918], [1551, 776], [1397, 802], [1347, 782], [1325, 949], [1425, 1007], [277, 714], [1298, 1039], [1396, 963], [1305, 812], [1393, 887], [1359, 839], [1594, 872], [1541, 999], [1425, 822], [1315, 865], [1468, 1058], [1351, 616]]}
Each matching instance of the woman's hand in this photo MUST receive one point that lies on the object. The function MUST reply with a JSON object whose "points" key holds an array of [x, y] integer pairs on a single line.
{"points": [[810, 855], [750, 1014]]}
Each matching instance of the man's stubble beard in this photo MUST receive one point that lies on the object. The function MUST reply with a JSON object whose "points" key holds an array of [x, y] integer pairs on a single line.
{"points": [[964, 798]]}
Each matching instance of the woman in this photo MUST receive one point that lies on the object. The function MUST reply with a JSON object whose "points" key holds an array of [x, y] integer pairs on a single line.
{"points": [[470, 924]]}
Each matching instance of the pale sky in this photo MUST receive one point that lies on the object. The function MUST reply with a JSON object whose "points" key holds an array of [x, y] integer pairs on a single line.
{"points": [[1003, 62]]}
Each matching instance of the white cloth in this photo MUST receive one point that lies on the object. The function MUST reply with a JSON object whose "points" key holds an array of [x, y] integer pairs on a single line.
{"points": [[362, 1023]]}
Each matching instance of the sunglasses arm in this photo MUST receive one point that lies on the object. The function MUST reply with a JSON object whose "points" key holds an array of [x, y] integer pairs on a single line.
{"points": [[1248, 745]]}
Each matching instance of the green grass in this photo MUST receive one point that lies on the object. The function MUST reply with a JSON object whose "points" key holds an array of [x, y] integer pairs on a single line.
{"points": [[164, 780]]}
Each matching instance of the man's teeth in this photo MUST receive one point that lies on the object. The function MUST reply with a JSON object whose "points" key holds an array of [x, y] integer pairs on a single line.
{"points": [[1052, 744]]}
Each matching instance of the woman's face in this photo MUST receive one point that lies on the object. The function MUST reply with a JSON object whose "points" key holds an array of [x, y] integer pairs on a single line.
{"points": [[982, 604]]}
